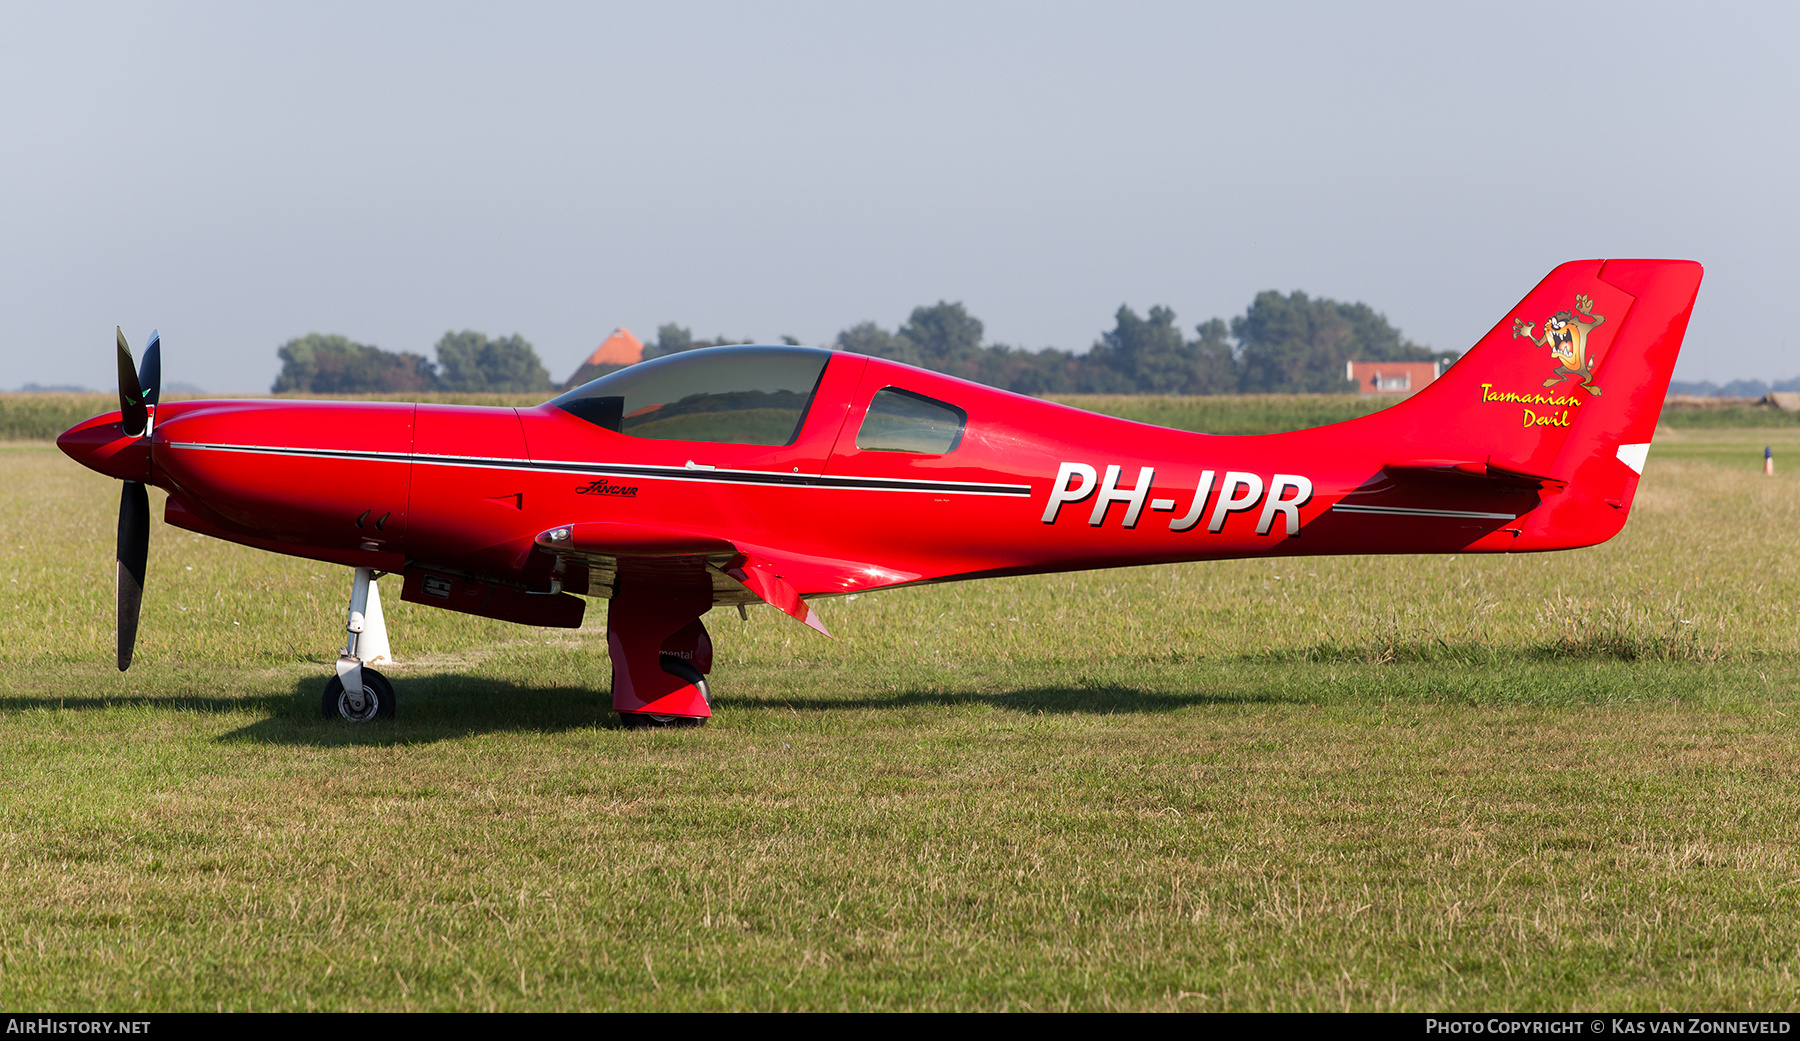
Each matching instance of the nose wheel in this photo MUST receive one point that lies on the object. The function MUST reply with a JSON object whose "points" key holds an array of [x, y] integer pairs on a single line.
{"points": [[376, 700]]}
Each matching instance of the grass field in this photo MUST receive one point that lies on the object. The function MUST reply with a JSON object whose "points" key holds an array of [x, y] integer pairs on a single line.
{"points": [[1555, 781]]}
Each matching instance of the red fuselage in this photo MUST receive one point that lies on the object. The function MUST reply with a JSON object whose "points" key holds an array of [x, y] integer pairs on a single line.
{"points": [[468, 488]]}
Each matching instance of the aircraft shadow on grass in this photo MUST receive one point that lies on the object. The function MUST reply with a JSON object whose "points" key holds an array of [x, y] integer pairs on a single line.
{"points": [[435, 707], [443, 706], [447, 706], [1107, 700]]}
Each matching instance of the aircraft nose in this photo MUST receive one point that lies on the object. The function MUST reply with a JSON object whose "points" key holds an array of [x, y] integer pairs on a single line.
{"points": [[101, 445]]}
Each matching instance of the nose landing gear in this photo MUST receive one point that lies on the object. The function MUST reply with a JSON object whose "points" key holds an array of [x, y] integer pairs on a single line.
{"points": [[359, 694]]}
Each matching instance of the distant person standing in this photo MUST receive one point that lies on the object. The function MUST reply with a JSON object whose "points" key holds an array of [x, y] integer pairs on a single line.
{"points": [[1769, 461]]}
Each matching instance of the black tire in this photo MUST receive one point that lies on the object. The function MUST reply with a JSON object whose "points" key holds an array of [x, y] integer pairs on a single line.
{"points": [[376, 689], [649, 721]]}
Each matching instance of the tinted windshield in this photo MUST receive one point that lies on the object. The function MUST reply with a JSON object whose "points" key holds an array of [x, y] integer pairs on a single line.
{"points": [[740, 395]]}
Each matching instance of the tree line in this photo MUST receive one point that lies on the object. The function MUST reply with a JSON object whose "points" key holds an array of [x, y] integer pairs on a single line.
{"points": [[466, 361], [1280, 344]]}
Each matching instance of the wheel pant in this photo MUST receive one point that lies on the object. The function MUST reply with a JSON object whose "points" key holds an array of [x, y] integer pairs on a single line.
{"points": [[639, 631]]}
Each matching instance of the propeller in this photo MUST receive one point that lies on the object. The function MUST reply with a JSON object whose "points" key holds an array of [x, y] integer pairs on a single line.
{"points": [[139, 389]]}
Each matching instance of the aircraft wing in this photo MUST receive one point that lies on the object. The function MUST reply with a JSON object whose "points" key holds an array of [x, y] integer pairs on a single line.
{"points": [[680, 561]]}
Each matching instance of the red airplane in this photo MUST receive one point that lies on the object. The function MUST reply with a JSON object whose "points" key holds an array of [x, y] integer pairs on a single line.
{"points": [[746, 475]]}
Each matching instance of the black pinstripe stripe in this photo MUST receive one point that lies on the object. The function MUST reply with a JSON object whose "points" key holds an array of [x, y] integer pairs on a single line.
{"points": [[663, 473]]}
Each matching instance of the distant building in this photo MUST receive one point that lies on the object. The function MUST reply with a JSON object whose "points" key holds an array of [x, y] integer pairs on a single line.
{"points": [[621, 348], [1391, 377], [615, 352]]}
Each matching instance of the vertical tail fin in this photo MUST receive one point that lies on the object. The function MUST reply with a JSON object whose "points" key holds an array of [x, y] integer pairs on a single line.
{"points": [[1567, 387]]}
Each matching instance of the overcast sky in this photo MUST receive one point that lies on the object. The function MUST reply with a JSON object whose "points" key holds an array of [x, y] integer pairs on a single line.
{"points": [[240, 174]]}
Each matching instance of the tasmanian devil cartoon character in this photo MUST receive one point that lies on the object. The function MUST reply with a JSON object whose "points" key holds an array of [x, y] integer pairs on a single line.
{"points": [[1566, 334]]}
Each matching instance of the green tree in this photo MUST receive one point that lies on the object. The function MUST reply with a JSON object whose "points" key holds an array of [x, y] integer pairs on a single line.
{"points": [[946, 338], [1048, 371], [670, 339], [332, 364], [867, 338], [1296, 344], [1149, 355], [674, 339], [469, 361], [1213, 366], [943, 336]]}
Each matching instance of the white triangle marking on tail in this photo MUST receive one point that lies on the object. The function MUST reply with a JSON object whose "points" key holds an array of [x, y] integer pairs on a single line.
{"points": [[1633, 456]]}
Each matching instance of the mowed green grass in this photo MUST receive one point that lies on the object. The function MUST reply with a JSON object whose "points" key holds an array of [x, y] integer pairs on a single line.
{"points": [[1550, 781], [1734, 449]]}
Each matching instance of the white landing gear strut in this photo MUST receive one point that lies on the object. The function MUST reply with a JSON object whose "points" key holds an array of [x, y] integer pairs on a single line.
{"points": [[358, 693]]}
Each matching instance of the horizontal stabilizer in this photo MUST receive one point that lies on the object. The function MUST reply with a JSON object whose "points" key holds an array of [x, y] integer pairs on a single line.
{"points": [[1492, 469]]}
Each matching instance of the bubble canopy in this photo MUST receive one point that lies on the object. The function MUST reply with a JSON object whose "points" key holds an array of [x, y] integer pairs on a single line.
{"points": [[734, 395]]}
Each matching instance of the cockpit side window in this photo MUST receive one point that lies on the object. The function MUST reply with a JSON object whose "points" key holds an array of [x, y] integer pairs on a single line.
{"points": [[735, 395], [902, 421]]}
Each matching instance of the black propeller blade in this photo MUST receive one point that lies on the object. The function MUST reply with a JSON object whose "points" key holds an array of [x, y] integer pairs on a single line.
{"points": [[133, 552], [150, 372], [135, 417], [138, 389]]}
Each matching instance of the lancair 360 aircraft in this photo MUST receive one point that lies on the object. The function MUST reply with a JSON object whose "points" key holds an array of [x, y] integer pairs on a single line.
{"points": [[750, 475]]}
